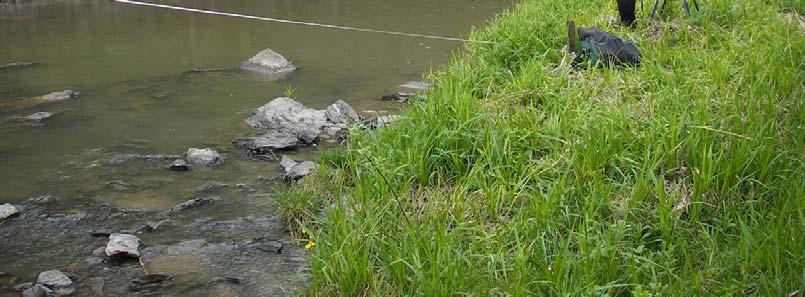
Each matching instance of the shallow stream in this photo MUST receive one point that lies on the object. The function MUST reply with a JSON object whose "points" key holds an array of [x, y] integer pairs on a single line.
{"points": [[132, 65]]}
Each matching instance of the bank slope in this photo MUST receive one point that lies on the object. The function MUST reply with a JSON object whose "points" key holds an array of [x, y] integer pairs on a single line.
{"points": [[517, 176]]}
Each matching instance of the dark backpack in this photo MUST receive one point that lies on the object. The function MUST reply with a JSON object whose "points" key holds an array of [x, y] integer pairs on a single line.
{"points": [[596, 45]]}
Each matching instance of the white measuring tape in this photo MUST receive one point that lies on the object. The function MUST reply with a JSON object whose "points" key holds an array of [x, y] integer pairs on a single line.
{"points": [[188, 9]]}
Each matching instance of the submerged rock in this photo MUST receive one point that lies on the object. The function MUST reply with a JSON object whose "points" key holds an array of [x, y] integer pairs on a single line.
{"points": [[400, 97], [125, 245], [416, 85], [17, 64], [204, 157], [7, 210], [56, 281], [295, 170], [268, 62], [37, 116], [60, 96], [150, 282], [383, 120], [192, 203]]}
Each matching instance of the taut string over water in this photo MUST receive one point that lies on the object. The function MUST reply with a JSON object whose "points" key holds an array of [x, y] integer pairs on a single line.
{"points": [[188, 9]]}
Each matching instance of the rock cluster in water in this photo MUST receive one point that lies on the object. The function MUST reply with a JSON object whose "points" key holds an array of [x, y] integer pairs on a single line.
{"points": [[288, 124]]}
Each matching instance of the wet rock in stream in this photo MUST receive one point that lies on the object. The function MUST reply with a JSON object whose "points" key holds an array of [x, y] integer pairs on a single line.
{"points": [[179, 165], [60, 96], [150, 283], [416, 85], [123, 245], [268, 62], [204, 157], [57, 281], [192, 203], [295, 170], [7, 210], [18, 64]]}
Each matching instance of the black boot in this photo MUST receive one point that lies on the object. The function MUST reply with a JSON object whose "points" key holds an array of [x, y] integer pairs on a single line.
{"points": [[626, 8]]}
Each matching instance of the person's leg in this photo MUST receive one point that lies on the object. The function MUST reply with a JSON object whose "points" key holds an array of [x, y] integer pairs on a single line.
{"points": [[626, 9]]}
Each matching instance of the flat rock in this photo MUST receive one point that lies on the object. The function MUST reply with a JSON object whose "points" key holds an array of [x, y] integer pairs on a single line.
{"points": [[267, 143], [192, 203], [60, 96], [295, 170], [268, 62], [125, 245], [204, 157], [37, 116], [7, 210]]}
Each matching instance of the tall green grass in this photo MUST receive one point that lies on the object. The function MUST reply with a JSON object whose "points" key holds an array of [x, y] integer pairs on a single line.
{"points": [[518, 176]]}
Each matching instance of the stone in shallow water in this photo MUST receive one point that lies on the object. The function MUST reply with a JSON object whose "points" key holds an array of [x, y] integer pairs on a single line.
{"points": [[204, 157], [150, 282], [286, 115], [37, 290], [56, 281], [416, 85], [38, 116], [268, 62], [192, 203], [126, 245], [60, 96], [267, 143], [7, 210], [342, 113], [295, 170]]}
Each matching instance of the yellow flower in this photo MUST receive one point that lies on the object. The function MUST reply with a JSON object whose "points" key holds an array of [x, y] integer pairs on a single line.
{"points": [[310, 244]]}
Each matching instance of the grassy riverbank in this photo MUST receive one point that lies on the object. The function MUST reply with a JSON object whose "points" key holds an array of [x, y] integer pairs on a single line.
{"points": [[683, 177]]}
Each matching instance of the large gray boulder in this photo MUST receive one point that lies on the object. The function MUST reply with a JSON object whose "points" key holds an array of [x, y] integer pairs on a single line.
{"points": [[56, 281], [268, 62], [204, 157], [7, 210], [125, 245], [286, 115]]}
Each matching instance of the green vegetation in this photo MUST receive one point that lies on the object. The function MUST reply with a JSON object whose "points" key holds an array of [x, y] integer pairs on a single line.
{"points": [[518, 176]]}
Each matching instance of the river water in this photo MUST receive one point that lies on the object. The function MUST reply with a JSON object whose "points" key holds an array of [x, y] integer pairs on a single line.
{"points": [[130, 65]]}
